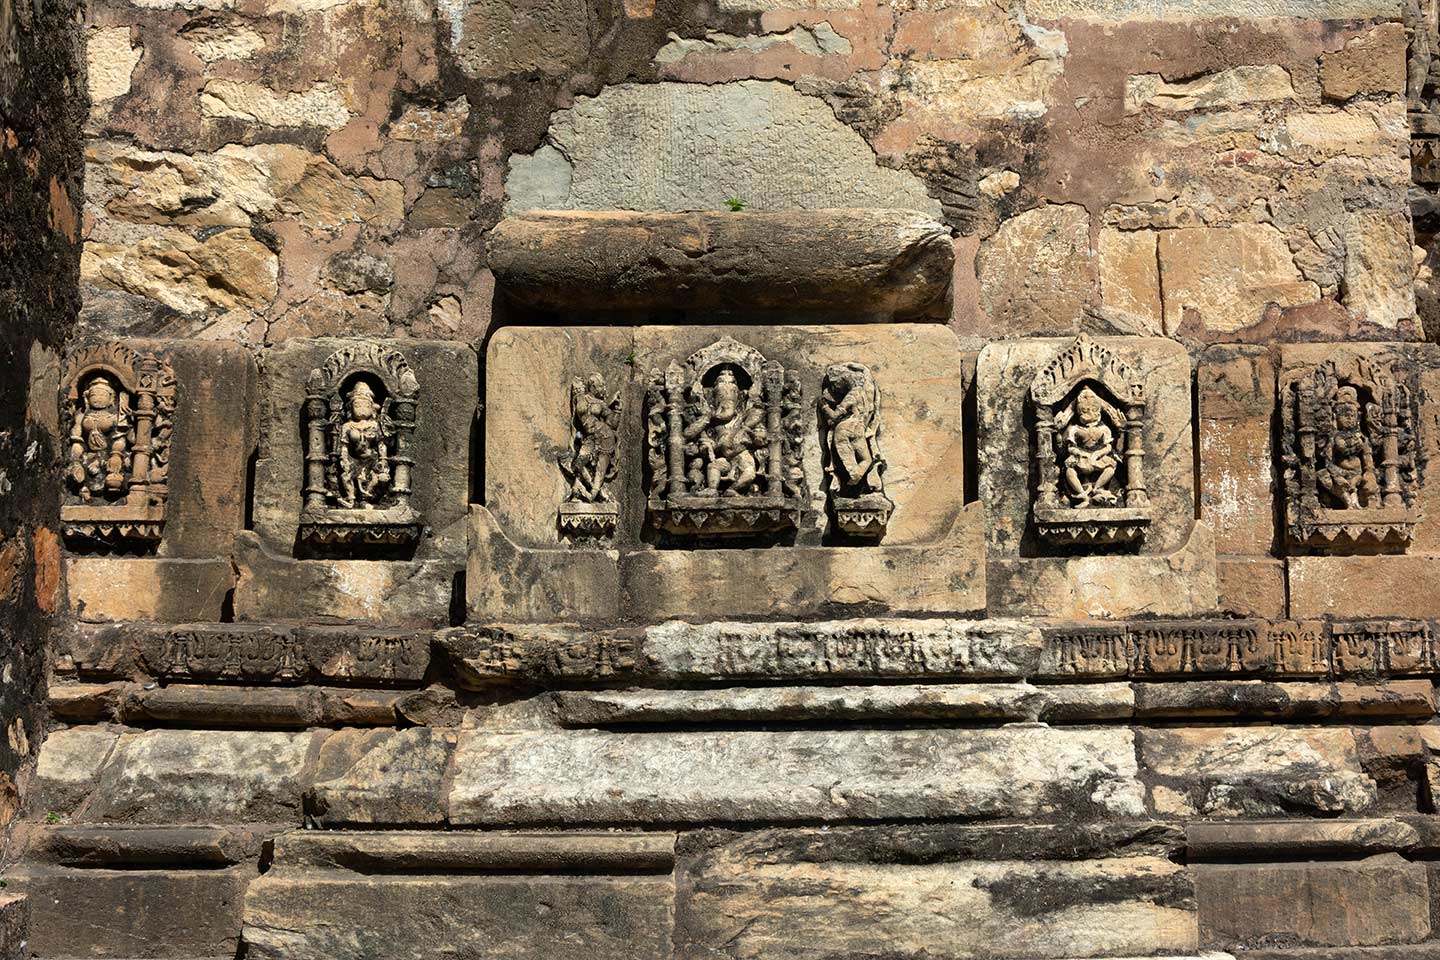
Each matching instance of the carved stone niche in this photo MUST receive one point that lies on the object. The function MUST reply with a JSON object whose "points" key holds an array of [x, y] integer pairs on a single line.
{"points": [[850, 447], [724, 433], [1089, 409], [1351, 483], [589, 510], [117, 409], [359, 418]]}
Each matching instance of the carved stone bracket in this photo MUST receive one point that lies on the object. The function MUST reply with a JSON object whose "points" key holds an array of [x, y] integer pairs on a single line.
{"points": [[723, 437], [1351, 483], [589, 510], [850, 444], [1089, 454], [117, 407], [360, 415]]}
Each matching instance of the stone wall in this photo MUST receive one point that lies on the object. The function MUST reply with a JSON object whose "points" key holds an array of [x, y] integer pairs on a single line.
{"points": [[805, 479], [42, 102]]}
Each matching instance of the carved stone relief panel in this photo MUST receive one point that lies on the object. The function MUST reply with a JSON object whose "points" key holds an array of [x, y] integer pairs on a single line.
{"points": [[117, 411], [1351, 480], [360, 416], [590, 509], [1089, 448], [723, 436], [849, 408]]}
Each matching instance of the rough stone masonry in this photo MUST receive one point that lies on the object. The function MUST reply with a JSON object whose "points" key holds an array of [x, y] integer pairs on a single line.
{"points": [[770, 479]]}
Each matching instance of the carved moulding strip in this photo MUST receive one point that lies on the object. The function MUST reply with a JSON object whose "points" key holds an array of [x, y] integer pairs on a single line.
{"points": [[589, 511], [723, 436], [1089, 409], [1351, 483], [360, 415], [117, 406], [850, 443]]}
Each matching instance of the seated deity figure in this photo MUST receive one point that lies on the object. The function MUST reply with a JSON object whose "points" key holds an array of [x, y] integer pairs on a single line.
{"points": [[847, 405], [1090, 459], [364, 469], [726, 438], [1349, 471], [100, 441]]}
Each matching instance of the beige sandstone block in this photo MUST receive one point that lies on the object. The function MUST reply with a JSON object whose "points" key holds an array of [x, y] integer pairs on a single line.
{"points": [[1225, 88], [1130, 275], [1226, 275], [1237, 466], [103, 589], [110, 60], [1373, 62], [1036, 273], [505, 580], [322, 105]]}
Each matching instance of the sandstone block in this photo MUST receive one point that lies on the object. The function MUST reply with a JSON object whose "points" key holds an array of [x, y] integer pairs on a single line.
{"points": [[14, 927], [635, 146], [190, 776], [1383, 899], [381, 777], [1036, 273], [103, 589], [197, 706], [1373, 62], [797, 775], [299, 914], [127, 846], [125, 913], [1225, 276], [1225, 88], [1389, 586], [65, 774], [1285, 701], [859, 263], [1237, 470], [509, 582], [228, 270], [1254, 772], [1130, 276], [1291, 838], [792, 900], [1251, 586], [430, 851]]}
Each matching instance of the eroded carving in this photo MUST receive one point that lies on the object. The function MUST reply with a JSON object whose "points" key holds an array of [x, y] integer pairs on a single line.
{"points": [[589, 509], [850, 443], [360, 416], [118, 407], [724, 450], [1351, 483], [1089, 448]]}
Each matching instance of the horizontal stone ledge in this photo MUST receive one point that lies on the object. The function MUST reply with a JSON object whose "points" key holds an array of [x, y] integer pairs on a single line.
{"points": [[864, 264], [1297, 839], [200, 706], [420, 852], [115, 846]]}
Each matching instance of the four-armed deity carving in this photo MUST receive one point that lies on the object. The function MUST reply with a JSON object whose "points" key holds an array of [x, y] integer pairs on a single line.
{"points": [[1089, 412], [1350, 477], [117, 407], [360, 416], [589, 508], [724, 435], [850, 433]]}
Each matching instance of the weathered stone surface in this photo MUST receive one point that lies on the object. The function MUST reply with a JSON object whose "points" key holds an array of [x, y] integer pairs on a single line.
{"points": [[1226, 88], [1382, 899], [1373, 62], [1236, 387], [110, 58], [1385, 586], [1251, 587], [65, 774], [381, 777], [85, 702], [799, 775], [507, 581], [977, 702], [779, 900], [1110, 11], [112, 588], [1296, 838], [320, 105], [1254, 772], [124, 913], [196, 706], [1036, 274], [429, 851], [1130, 276], [860, 263], [402, 593], [142, 847], [227, 270], [1225, 276], [331, 915], [1285, 701], [14, 927], [633, 147], [189, 776]]}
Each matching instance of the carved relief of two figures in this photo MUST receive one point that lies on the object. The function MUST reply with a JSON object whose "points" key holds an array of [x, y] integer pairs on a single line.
{"points": [[117, 409], [1350, 474]]}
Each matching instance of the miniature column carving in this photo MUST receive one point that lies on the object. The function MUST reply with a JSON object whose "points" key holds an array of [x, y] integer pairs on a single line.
{"points": [[118, 406], [361, 411]]}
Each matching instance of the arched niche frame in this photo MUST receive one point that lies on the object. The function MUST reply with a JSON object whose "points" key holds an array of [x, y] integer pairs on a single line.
{"points": [[1087, 374], [360, 415]]}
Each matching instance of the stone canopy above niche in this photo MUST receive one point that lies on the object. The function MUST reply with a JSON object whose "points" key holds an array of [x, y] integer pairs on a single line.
{"points": [[841, 266]]}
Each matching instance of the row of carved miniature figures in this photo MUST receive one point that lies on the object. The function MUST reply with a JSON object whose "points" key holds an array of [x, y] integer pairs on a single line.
{"points": [[723, 437]]}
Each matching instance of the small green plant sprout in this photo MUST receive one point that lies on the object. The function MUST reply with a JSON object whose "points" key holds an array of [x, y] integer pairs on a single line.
{"points": [[52, 817], [630, 359], [735, 204]]}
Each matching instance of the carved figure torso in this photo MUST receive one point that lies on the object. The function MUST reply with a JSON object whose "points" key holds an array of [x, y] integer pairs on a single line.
{"points": [[100, 442], [847, 406], [591, 463], [1348, 475], [726, 438], [1090, 461], [364, 458]]}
